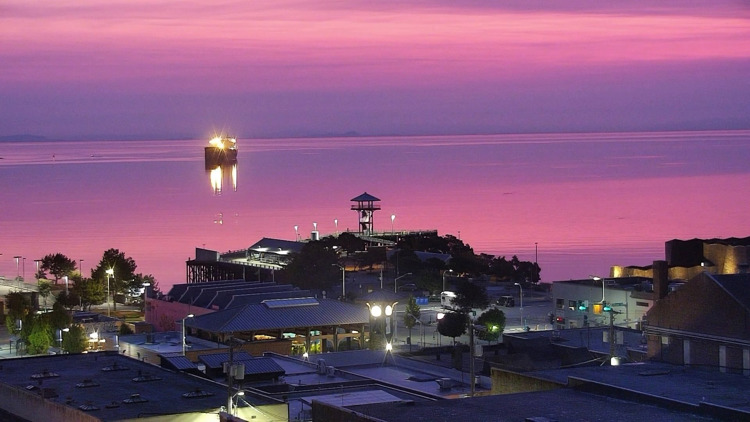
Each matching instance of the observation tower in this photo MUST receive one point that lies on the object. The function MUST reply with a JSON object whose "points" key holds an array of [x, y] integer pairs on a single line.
{"points": [[365, 207]]}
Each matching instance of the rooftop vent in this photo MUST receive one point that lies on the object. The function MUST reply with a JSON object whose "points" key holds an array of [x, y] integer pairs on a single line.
{"points": [[146, 378], [198, 393], [87, 383], [88, 406], [114, 367], [134, 398], [112, 405], [45, 374]]}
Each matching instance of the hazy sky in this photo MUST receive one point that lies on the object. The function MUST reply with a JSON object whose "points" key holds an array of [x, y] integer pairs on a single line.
{"points": [[184, 68]]}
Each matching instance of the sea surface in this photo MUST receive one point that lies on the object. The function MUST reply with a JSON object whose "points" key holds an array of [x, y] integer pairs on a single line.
{"points": [[577, 203]]}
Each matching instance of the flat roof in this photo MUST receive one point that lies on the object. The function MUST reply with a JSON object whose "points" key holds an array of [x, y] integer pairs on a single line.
{"points": [[106, 383]]}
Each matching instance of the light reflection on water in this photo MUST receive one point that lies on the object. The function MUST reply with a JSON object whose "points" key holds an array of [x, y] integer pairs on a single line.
{"points": [[588, 200]]}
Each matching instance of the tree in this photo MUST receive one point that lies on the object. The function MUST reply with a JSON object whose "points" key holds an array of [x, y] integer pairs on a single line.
{"points": [[69, 299], [494, 322], [90, 292], [74, 341], [45, 289], [123, 272], [470, 296], [314, 267], [452, 324], [18, 308], [39, 339], [58, 265], [59, 318], [411, 316]]}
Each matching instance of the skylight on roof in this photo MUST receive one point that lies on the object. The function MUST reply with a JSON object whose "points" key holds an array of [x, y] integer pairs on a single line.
{"points": [[290, 302]]}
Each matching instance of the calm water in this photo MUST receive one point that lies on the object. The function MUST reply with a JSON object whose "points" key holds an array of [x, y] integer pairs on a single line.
{"points": [[588, 201]]}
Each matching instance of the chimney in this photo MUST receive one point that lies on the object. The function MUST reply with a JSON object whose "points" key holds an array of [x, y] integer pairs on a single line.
{"points": [[661, 279]]}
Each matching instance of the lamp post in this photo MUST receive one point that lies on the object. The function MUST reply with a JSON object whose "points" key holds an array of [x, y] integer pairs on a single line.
{"points": [[395, 282], [80, 267], [393, 217], [146, 285], [523, 324], [18, 272], [183, 332], [110, 273], [23, 266], [444, 273], [343, 281], [296, 233], [336, 223], [536, 263]]}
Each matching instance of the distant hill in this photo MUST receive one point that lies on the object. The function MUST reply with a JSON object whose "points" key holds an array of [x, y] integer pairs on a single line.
{"points": [[22, 138]]}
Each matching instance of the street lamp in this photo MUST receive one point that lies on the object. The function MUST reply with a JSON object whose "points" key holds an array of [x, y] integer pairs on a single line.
{"points": [[395, 282], [146, 285], [18, 272], [393, 217], [110, 273], [336, 223], [183, 332], [296, 233], [523, 324], [80, 267], [343, 280], [444, 273]]}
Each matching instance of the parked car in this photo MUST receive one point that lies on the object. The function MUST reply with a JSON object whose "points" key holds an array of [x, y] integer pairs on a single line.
{"points": [[507, 301], [410, 287]]}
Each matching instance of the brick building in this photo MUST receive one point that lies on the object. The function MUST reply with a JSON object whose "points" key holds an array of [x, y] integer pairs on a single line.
{"points": [[706, 322]]}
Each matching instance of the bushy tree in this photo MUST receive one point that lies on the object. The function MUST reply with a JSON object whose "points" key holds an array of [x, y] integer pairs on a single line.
{"points": [[452, 324], [58, 265], [74, 341], [493, 321], [45, 289], [470, 296], [39, 339], [89, 292], [314, 267], [18, 308], [123, 273]]}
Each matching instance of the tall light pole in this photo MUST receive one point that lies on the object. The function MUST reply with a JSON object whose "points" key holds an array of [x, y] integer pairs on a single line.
{"points": [[536, 262], [37, 261], [336, 223], [523, 324], [395, 282], [393, 217], [18, 272], [110, 273], [23, 266], [343, 281], [80, 267], [444, 273], [146, 285], [296, 233], [183, 332]]}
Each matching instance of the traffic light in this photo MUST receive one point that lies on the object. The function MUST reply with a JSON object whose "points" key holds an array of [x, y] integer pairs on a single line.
{"points": [[607, 308], [583, 305], [598, 308], [560, 320]]}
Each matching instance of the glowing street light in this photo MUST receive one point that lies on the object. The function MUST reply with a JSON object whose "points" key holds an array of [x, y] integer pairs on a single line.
{"points": [[296, 233], [444, 273], [110, 273], [183, 332], [393, 217]]}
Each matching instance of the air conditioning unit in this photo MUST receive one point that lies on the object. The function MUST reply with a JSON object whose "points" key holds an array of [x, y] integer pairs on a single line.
{"points": [[321, 366], [445, 383]]}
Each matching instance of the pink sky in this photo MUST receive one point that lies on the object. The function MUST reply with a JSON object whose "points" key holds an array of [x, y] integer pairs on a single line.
{"points": [[174, 68]]}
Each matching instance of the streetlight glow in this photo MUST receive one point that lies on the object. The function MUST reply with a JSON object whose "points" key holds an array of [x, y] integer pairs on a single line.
{"points": [[183, 332], [376, 311], [110, 273]]}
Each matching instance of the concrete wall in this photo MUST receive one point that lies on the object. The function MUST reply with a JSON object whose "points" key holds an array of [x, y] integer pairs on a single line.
{"points": [[507, 382], [31, 406]]}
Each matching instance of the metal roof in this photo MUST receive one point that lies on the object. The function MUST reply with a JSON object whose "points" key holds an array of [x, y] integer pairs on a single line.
{"points": [[215, 360], [276, 245], [365, 197], [259, 317]]}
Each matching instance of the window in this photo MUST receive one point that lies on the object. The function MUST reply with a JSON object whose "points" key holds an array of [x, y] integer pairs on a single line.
{"points": [[572, 305], [560, 303], [644, 304]]}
